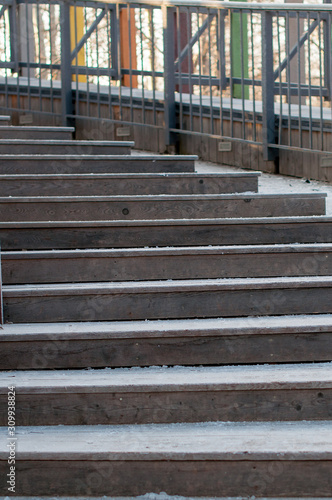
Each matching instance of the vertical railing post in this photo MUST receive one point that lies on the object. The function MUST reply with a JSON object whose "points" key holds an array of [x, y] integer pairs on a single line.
{"points": [[66, 89], [1, 295], [327, 53], [13, 35], [268, 86], [240, 52], [169, 75]]}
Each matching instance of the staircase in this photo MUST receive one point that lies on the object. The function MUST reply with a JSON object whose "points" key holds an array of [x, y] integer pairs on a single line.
{"points": [[163, 330]]}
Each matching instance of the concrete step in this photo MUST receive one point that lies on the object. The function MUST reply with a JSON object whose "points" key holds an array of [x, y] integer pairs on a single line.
{"points": [[169, 395], [119, 161], [37, 133], [61, 266], [129, 184], [165, 232], [182, 459], [78, 208], [62, 147], [167, 299], [219, 341]]}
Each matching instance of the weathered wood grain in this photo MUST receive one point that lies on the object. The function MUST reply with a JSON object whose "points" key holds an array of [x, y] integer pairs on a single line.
{"points": [[86, 164], [187, 478], [125, 234], [37, 133], [4, 120], [197, 478], [117, 408], [250, 261], [130, 184], [191, 460], [191, 342], [197, 350], [282, 393], [158, 207], [63, 147], [167, 300]]}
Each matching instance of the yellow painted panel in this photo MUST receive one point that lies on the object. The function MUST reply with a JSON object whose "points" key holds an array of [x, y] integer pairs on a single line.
{"points": [[77, 17]]}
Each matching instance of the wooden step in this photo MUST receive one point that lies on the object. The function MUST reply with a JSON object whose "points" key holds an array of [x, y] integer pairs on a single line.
{"points": [[62, 147], [4, 120], [169, 395], [60, 266], [127, 184], [167, 299], [37, 133], [220, 341], [77, 208], [165, 232], [120, 161], [182, 459]]}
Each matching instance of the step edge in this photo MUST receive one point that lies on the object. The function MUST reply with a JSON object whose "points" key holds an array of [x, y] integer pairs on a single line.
{"points": [[167, 328], [214, 250]]}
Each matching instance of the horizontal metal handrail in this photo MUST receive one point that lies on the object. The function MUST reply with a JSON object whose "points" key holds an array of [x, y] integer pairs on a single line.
{"points": [[217, 4], [275, 56]]}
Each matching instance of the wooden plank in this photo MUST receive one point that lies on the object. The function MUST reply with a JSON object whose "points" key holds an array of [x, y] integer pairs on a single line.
{"points": [[171, 263], [122, 234], [158, 207], [27, 132], [195, 349], [70, 164], [121, 408], [4, 120], [114, 184], [186, 478], [187, 342], [40, 147], [167, 300], [270, 325], [170, 395], [190, 459]]}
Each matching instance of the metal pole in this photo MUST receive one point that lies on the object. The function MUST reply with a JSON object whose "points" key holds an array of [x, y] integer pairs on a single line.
{"points": [[327, 53], [268, 86], [169, 76], [66, 74], [12, 9]]}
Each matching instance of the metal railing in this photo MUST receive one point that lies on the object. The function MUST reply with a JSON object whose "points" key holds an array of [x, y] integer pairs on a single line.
{"points": [[249, 72]]}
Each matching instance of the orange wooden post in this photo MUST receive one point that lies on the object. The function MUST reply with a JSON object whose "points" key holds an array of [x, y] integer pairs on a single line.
{"points": [[179, 45], [128, 46]]}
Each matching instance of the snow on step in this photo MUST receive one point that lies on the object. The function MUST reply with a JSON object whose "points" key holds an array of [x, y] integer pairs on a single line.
{"points": [[156, 379], [204, 441], [305, 323], [205, 459]]}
